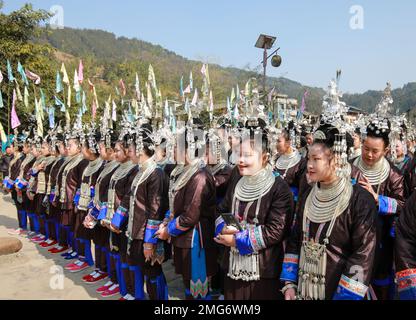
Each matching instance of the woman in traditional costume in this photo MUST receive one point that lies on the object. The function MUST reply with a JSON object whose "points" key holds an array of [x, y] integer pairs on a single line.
{"points": [[69, 184], [148, 204], [385, 183], [114, 211], [263, 206], [84, 200], [330, 253], [191, 223], [290, 165], [9, 185], [101, 234]]}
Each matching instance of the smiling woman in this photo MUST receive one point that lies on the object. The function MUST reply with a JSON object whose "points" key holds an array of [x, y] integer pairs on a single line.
{"points": [[263, 205], [324, 223]]}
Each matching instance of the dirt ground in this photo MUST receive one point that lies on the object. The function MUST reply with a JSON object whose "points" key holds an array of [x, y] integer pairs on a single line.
{"points": [[35, 274]]}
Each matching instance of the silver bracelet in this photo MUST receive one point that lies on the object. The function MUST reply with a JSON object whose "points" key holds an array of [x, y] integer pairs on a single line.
{"points": [[289, 286]]}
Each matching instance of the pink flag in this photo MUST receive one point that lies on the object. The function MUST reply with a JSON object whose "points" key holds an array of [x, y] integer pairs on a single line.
{"points": [[80, 72], [32, 76], [122, 87], [188, 89], [15, 118]]}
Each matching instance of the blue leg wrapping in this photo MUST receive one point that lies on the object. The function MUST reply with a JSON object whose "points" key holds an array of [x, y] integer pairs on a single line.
{"points": [[87, 251], [122, 280], [105, 251], [46, 221], [116, 258], [138, 282], [57, 230], [162, 287], [36, 223], [24, 219]]}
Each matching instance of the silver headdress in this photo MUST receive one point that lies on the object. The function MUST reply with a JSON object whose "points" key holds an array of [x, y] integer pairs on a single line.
{"points": [[334, 111]]}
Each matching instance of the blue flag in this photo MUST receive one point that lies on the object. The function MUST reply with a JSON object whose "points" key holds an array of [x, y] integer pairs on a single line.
{"points": [[22, 73], [59, 86], [51, 112], [9, 72]]}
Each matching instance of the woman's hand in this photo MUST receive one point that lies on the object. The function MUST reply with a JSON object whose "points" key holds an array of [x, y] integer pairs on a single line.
{"points": [[227, 240], [366, 185], [148, 251], [290, 294], [114, 229], [229, 230], [162, 233]]}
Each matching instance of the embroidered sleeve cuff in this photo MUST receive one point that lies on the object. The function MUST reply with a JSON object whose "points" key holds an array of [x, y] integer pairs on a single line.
{"points": [[290, 268], [295, 192], [387, 206], [103, 211], [243, 243], [175, 229], [8, 183], [406, 284], [219, 225], [94, 212], [120, 217], [349, 289], [21, 184], [256, 239], [151, 227]]}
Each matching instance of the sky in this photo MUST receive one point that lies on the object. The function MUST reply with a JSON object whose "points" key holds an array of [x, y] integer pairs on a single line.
{"points": [[371, 45]]}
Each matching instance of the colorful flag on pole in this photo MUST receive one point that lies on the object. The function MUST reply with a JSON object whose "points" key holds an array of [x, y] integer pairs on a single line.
{"points": [[26, 97], [93, 109], [22, 73], [195, 98], [114, 114], [187, 90], [19, 94], [1, 77], [1, 100], [80, 72], [9, 72], [203, 69], [3, 136], [91, 85], [68, 101], [137, 86], [149, 95], [211, 106], [151, 77], [59, 86], [122, 87], [76, 86], [33, 76], [15, 119], [191, 81], [65, 78], [181, 87], [51, 113]]}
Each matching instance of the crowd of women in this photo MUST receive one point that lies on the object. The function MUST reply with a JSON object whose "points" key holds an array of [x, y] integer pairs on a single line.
{"points": [[247, 210]]}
